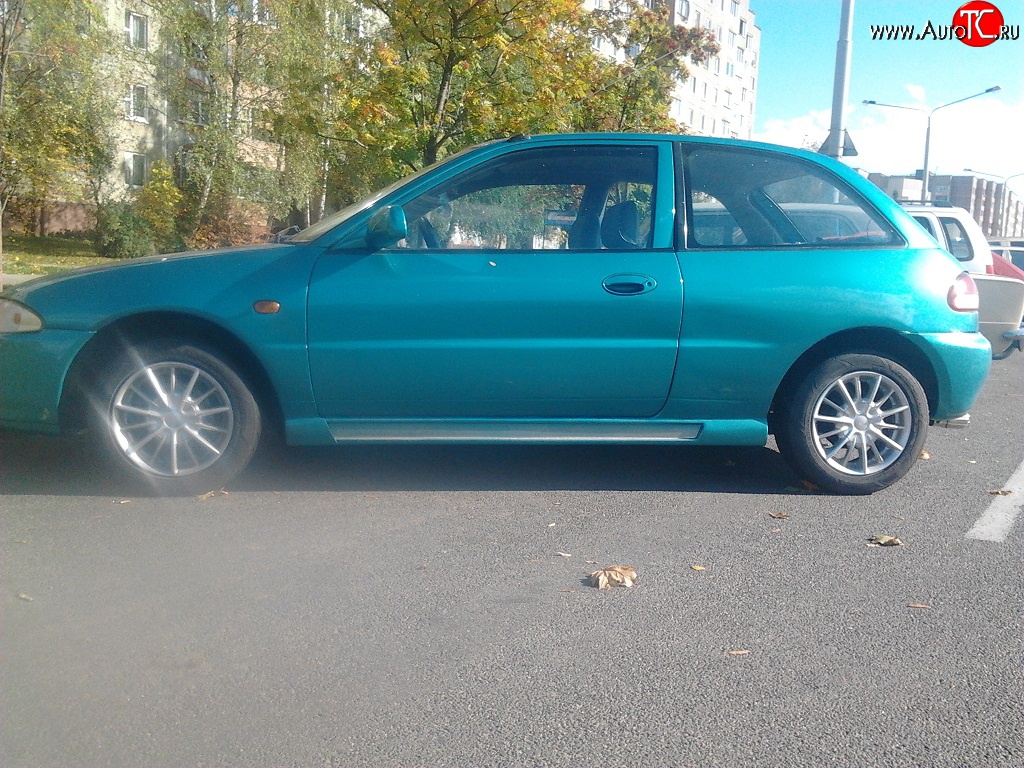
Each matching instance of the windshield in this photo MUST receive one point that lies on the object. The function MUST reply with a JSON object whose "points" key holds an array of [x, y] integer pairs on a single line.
{"points": [[330, 222]]}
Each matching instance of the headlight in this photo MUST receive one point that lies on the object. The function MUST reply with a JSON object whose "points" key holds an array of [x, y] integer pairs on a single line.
{"points": [[16, 318]]}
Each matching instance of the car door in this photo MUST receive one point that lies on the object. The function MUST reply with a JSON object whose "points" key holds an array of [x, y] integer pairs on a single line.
{"points": [[537, 284], [779, 254]]}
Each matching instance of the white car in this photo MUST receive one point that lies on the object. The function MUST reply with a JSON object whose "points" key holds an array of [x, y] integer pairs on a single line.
{"points": [[956, 231]]}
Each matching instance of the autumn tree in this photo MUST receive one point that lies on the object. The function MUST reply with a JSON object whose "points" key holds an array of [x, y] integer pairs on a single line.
{"points": [[56, 110], [213, 64], [633, 92]]}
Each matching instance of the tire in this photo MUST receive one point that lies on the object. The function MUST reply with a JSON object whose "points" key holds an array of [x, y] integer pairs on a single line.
{"points": [[855, 425], [173, 419]]}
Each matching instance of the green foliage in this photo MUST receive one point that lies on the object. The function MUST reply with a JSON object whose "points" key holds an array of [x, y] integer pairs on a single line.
{"points": [[121, 233], [55, 108]]}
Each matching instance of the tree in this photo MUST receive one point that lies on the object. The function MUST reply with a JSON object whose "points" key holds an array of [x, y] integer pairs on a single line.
{"points": [[213, 65], [634, 94], [55, 109], [445, 73]]}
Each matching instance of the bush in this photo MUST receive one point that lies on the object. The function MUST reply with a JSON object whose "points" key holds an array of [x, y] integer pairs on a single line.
{"points": [[121, 233], [158, 204]]}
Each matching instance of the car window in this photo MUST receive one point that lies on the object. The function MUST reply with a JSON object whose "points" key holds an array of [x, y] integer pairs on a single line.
{"points": [[541, 199], [959, 242], [744, 198]]}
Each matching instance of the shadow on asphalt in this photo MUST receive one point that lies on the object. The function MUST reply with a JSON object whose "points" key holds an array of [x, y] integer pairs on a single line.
{"points": [[33, 465]]}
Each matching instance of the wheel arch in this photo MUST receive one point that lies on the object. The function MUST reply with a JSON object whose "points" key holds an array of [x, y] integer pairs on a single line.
{"points": [[882, 342], [118, 338]]}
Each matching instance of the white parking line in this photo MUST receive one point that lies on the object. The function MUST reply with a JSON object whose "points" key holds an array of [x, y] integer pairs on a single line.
{"points": [[998, 519]]}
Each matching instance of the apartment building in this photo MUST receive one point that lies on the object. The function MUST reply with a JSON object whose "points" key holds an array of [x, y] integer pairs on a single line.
{"points": [[992, 204], [720, 95], [142, 133]]}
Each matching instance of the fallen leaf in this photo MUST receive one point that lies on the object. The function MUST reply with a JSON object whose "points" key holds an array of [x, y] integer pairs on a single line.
{"points": [[563, 554], [1001, 492], [210, 494], [698, 568], [614, 576], [925, 455], [885, 541], [593, 562], [551, 525], [918, 605], [741, 652], [779, 515], [26, 598], [971, 461]]}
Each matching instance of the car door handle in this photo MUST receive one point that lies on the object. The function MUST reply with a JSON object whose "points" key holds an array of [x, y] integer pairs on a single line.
{"points": [[629, 285]]}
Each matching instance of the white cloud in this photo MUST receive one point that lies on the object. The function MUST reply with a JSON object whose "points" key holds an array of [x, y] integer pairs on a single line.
{"points": [[917, 94], [984, 134]]}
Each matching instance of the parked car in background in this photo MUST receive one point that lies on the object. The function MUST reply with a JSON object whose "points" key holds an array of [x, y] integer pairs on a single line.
{"points": [[1011, 250], [1001, 299], [956, 231], [539, 289]]}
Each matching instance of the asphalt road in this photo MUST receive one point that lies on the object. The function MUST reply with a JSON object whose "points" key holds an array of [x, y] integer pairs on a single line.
{"points": [[428, 607]]}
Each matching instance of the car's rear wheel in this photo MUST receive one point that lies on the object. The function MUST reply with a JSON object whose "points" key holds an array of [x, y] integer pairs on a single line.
{"points": [[174, 418], [855, 425]]}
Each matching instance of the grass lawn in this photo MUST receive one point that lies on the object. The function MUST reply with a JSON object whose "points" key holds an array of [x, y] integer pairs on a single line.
{"points": [[47, 255]]}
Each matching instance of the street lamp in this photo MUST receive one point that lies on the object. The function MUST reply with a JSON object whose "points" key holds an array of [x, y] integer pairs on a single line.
{"points": [[1004, 202], [928, 132]]}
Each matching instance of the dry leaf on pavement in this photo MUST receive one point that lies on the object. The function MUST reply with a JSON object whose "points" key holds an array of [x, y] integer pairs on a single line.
{"points": [[885, 541], [210, 494], [614, 576], [779, 515]]}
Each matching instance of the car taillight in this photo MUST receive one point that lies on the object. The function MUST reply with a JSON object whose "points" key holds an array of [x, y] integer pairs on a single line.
{"points": [[963, 294]]}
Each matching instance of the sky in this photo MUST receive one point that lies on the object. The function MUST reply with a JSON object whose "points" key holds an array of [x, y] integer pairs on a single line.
{"points": [[797, 66]]}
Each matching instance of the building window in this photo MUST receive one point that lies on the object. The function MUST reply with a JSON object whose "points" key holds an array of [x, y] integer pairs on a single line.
{"points": [[743, 26], [136, 30], [684, 9], [136, 103], [735, 7], [200, 109], [134, 169]]}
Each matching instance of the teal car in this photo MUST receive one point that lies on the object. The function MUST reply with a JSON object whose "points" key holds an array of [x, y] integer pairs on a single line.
{"points": [[590, 288]]}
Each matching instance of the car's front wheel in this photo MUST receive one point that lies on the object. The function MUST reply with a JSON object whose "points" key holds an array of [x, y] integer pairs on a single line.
{"points": [[174, 418], [855, 425]]}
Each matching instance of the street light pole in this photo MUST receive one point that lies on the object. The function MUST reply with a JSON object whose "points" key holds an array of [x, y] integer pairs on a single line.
{"points": [[928, 131]]}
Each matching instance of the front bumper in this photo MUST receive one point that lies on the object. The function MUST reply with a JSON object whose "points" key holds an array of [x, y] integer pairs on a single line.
{"points": [[33, 368]]}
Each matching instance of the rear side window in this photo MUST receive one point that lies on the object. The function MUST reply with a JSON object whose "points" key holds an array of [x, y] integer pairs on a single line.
{"points": [[957, 239], [760, 199]]}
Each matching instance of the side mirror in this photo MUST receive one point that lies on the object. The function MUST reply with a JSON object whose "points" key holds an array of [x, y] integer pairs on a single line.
{"points": [[386, 227]]}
